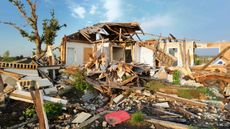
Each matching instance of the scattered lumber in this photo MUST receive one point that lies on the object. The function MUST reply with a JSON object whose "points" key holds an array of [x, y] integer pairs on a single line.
{"points": [[12, 74], [182, 100], [168, 124], [219, 55], [26, 97]]}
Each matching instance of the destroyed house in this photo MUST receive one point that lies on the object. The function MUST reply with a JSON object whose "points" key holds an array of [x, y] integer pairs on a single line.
{"points": [[115, 41]]}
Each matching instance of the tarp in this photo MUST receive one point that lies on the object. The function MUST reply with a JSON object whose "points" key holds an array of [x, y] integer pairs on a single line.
{"points": [[117, 117]]}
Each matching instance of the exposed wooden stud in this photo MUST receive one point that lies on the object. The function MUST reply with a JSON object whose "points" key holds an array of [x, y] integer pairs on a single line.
{"points": [[219, 55]]}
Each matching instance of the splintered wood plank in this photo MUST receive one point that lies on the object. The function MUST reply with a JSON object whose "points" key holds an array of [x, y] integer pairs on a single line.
{"points": [[182, 100], [219, 55], [12, 74], [168, 124], [1, 84], [87, 52]]}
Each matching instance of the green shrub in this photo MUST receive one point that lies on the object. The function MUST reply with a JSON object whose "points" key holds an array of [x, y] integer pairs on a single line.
{"points": [[197, 62], [176, 77], [52, 110], [29, 112], [193, 127], [79, 81], [137, 117]]}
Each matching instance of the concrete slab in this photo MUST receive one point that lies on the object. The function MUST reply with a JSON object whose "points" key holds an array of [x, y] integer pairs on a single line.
{"points": [[163, 105], [10, 81], [52, 91], [118, 98], [81, 117]]}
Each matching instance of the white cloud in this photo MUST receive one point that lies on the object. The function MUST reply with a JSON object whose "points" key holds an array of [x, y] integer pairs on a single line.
{"points": [[78, 12], [93, 9], [113, 9], [156, 22]]}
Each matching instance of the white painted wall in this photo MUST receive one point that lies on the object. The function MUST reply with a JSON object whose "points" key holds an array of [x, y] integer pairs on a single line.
{"points": [[75, 52], [104, 48], [143, 55]]}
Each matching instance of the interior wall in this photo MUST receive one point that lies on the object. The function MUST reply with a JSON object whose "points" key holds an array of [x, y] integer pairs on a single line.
{"points": [[146, 56], [75, 53], [128, 55], [118, 53]]}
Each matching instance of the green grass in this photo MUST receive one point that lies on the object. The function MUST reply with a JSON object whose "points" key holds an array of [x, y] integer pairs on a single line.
{"points": [[188, 93], [154, 85], [194, 93], [137, 117]]}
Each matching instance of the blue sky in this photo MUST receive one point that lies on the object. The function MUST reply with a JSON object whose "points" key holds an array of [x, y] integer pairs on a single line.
{"points": [[205, 20]]}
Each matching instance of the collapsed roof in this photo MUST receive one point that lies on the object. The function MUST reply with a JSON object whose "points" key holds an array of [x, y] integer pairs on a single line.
{"points": [[108, 31]]}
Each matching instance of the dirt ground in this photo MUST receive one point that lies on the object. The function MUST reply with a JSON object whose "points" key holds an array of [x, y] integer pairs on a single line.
{"points": [[9, 116]]}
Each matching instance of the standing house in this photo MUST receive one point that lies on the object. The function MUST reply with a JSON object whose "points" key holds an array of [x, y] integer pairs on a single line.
{"points": [[116, 40]]}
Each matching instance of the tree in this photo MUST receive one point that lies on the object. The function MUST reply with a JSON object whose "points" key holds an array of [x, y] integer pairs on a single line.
{"points": [[50, 26], [6, 56]]}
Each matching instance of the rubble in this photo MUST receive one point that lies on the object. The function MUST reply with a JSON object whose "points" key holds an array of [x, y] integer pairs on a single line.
{"points": [[119, 87], [81, 117]]}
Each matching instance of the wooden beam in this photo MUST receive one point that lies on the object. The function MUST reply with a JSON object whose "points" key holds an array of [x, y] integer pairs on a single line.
{"points": [[182, 100], [38, 103], [219, 55], [168, 124], [12, 74], [1, 84], [26, 97]]}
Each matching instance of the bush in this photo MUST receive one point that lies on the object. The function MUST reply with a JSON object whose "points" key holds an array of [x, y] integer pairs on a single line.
{"points": [[29, 112], [79, 81], [176, 77], [197, 62], [137, 117], [52, 110]]}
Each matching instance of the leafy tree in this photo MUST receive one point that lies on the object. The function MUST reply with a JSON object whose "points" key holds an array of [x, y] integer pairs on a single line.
{"points": [[6, 56], [50, 26]]}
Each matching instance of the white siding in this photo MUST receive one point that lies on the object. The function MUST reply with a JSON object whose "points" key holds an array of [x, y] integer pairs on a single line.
{"points": [[75, 53]]}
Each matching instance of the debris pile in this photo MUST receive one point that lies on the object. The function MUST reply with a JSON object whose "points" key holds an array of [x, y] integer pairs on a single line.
{"points": [[117, 75], [105, 92]]}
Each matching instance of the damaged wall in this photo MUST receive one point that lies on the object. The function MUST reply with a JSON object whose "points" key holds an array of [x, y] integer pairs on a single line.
{"points": [[77, 53], [143, 55], [180, 50]]}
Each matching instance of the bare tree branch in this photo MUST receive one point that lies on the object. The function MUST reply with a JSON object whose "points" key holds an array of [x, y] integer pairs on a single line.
{"points": [[33, 10], [22, 32], [20, 6]]}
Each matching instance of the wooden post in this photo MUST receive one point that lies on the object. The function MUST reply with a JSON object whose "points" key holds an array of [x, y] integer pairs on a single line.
{"points": [[120, 35], [38, 102], [1, 84]]}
